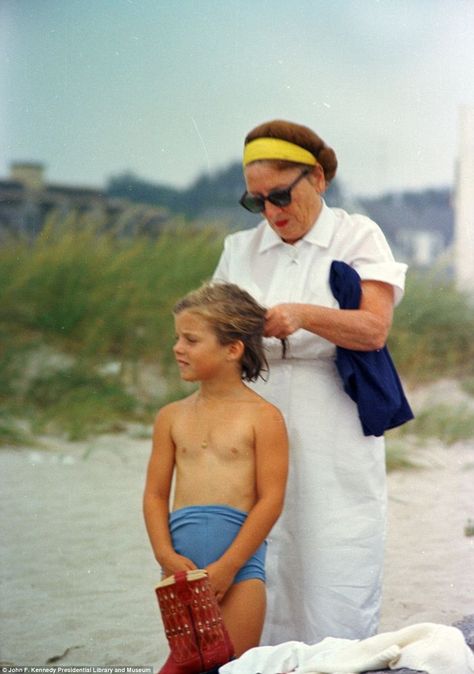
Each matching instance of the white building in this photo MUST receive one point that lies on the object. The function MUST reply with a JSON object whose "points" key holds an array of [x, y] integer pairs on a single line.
{"points": [[464, 204]]}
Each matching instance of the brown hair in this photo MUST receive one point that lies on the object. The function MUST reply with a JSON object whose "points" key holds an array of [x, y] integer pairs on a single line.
{"points": [[233, 315], [299, 135]]}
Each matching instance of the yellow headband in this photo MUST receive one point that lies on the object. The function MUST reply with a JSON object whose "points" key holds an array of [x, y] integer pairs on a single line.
{"points": [[275, 148]]}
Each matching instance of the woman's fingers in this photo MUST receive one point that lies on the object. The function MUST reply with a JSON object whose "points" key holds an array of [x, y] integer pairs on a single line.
{"points": [[282, 320]]}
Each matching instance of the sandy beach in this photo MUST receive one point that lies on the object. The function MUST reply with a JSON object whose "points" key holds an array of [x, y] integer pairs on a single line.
{"points": [[78, 576]]}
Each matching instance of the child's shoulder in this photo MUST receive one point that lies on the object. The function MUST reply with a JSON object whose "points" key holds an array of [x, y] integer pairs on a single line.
{"points": [[269, 423], [263, 406], [171, 410]]}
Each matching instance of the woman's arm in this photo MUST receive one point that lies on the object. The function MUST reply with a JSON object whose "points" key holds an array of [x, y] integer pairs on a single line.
{"points": [[157, 494], [271, 455], [363, 329]]}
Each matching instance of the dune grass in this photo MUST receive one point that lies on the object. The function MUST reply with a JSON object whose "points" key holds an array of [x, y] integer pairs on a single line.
{"points": [[432, 330], [12, 434], [95, 295], [468, 385], [95, 299], [399, 455], [450, 424]]}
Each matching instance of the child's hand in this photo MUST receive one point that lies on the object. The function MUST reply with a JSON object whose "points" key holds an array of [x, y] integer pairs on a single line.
{"points": [[177, 563], [220, 577]]}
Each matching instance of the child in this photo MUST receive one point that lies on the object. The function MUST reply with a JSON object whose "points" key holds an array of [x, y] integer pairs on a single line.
{"points": [[228, 450]]}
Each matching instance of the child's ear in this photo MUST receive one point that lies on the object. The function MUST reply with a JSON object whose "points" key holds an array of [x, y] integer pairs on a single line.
{"points": [[235, 350]]}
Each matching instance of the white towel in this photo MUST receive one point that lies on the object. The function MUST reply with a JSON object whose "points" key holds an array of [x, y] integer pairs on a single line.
{"points": [[436, 649]]}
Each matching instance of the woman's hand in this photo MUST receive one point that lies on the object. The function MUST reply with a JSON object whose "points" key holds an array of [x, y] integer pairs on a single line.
{"points": [[363, 329], [220, 577], [283, 320]]}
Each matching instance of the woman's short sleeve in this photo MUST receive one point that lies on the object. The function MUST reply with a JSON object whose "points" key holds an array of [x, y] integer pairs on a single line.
{"points": [[387, 272], [373, 260]]}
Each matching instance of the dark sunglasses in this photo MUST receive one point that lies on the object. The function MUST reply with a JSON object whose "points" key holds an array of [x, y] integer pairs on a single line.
{"points": [[255, 203]]}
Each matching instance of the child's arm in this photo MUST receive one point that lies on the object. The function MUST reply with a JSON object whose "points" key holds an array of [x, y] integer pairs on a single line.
{"points": [[157, 494], [271, 455]]}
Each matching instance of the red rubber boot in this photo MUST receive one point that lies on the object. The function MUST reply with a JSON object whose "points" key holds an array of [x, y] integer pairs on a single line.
{"points": [[197, 637]]}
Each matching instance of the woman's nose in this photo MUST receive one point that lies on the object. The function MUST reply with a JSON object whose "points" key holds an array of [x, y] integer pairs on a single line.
{"points": [[270, 210]]}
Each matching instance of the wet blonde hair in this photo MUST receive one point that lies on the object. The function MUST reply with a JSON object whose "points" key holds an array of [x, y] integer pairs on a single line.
{"points": [[298, 135], [234, 315]]}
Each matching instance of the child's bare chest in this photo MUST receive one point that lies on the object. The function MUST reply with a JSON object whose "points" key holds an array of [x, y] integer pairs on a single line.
{"points": [[222, 437]]}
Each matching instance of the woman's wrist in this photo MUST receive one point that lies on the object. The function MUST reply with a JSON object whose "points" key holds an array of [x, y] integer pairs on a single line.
{"points": [[307, 316]]}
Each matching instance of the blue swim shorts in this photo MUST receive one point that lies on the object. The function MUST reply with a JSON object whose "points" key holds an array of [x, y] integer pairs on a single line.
{"points": [[203, 534]]}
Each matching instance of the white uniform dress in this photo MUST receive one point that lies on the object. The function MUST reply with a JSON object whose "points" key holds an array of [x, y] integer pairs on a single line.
{"points": [[325, 554]]}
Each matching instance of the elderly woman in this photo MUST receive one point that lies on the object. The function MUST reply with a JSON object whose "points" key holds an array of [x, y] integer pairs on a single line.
{"points": [[325, 555]]}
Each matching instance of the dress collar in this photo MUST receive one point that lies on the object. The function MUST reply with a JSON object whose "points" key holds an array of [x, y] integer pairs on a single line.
{"points": [[320, 233]]}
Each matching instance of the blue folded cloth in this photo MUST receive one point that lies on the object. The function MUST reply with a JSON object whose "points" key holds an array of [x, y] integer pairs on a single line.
{"points": [[369, 377]]}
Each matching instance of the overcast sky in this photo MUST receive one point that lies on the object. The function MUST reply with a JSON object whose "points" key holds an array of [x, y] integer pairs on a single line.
{"points": [[168, 89]]}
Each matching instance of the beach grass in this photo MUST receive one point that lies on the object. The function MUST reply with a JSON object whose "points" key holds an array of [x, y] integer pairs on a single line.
{"points": [[96, 295], [84, 313], [448, 423], [78, 401], [76, 299], [468, 385], [399, 455], [431, 336], [12, 434]]}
